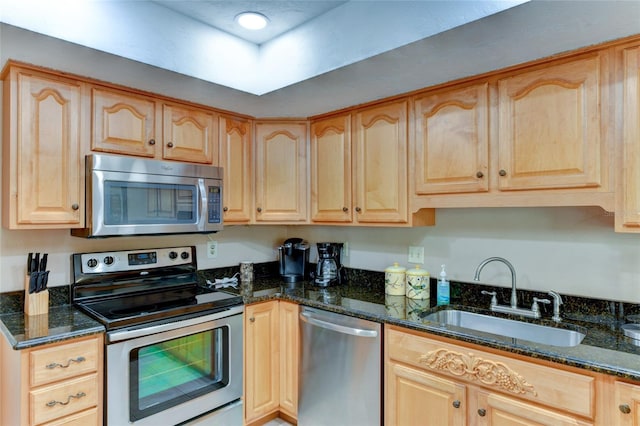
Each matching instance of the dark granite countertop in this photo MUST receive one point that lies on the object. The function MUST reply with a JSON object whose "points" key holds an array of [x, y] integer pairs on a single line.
{"points": [[604, 349], [63, 322]]}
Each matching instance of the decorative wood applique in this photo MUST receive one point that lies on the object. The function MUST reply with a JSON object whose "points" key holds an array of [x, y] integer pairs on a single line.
{"points": [[477, 369]]}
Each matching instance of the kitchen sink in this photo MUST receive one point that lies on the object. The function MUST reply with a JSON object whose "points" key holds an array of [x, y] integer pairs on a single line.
{"points": [[545, 335]]}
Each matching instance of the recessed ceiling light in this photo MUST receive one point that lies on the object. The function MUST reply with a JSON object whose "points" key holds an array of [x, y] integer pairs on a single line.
{"points": [[252, 20]]}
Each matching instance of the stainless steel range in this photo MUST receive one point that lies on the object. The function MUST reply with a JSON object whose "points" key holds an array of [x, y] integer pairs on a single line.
{"points": [[173, 349]]}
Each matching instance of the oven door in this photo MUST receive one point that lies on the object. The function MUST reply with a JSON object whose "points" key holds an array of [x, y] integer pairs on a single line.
{"points": [[170, 373]]}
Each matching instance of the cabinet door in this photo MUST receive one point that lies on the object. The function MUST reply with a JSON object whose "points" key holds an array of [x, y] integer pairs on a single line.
{"points": [[262, 360], [281, 171], [289, 355], [123, 123], [497, 410], [235, 159], [549, 127], [452, 141], [627, 405], [331, 170], [628, 214], [189, 135], [416, 397], [380, 165], [43, 156]]}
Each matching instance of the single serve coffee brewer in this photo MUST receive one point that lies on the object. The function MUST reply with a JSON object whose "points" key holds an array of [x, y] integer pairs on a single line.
{"points": [[294, 260]]}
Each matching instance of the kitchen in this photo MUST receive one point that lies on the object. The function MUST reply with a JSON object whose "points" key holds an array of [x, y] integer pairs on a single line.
{"points": [[551, 247]]}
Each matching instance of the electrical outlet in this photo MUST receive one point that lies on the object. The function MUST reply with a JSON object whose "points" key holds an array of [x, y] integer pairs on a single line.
{"points": [[416, 255], [345, 249], [212, 249]]}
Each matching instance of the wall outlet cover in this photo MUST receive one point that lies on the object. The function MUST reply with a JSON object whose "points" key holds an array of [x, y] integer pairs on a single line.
{"points": [[416, 255], [212, 249]]}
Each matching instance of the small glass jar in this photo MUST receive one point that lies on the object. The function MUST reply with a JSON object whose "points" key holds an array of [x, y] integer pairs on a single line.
{"points": [[394, 280], [417, 283]]}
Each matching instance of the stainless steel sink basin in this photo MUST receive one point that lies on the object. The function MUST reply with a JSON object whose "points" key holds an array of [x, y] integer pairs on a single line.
{"points": [[508, 328]]}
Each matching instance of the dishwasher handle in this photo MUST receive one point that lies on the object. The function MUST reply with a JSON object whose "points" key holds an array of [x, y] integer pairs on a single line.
{"points": [[309, 318]]}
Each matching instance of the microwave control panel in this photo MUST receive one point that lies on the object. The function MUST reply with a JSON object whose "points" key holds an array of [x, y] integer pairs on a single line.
{"points": [[214, 204]]}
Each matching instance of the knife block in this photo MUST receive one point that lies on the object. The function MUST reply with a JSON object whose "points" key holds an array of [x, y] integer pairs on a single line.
{"points": [[35, 303]]}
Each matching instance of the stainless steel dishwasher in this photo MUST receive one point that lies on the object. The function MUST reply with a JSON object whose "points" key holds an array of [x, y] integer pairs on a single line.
{"points": [[340, 370]]}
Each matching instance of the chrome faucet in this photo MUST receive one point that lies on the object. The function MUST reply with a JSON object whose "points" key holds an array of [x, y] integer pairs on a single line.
{"points": [[534, 312], [557, 301], [514, 297]]}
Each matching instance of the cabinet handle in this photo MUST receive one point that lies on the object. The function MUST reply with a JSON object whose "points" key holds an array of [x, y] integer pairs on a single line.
{"points": [[482, 412], [170, 144], [502, 172], [358, 209], [345, 209], [56, 365], [252, 319], [75, 206], [225, 209], [53, 403], [624, 408], [152, 141], [259, 209], [456, 404], [479, 175]]}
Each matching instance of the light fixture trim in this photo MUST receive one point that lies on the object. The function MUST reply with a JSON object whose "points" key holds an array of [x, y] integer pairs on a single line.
{"points": [[252, 20]]}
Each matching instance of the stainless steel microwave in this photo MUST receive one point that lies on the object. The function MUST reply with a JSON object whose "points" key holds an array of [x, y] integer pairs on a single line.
{"points": [[131, 196]]}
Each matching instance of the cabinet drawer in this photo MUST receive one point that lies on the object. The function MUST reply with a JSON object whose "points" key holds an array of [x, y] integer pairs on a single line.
{"points": [[64, 361], [62, 399], [85, 418], [567, 391]]}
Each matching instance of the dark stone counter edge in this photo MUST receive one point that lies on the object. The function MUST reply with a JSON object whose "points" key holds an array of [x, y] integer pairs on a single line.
{"points": [[534, 353]]}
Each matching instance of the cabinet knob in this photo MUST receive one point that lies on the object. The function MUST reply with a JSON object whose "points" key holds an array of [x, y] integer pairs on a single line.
{"points": [[75, 206], [344, 209], [152, 141], [456, 404], [479, 175], [502, 172], [225, 209], [170, 144], [624, 408], [252, 319], [482, 412], [358, 209], [259, 209]]}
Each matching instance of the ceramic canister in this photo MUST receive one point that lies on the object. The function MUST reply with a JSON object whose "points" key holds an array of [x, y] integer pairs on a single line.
{"points": [[394, 280], [417, 283]]}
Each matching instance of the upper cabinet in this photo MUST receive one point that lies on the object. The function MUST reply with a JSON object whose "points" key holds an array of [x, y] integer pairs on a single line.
{"points": [[236, 161], [129, 124], [452, 141], [281, 171], [549, 127], [42, 171]]}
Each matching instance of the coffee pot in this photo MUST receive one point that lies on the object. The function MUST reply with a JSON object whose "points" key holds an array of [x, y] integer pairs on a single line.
{"points": [[329, 269]]}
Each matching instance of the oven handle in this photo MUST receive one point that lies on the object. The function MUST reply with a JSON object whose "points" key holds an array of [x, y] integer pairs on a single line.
{"points": [[120, 335]]}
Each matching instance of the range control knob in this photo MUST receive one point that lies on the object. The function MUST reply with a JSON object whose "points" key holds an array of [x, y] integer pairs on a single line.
{"points": [[92, 263], [108, 260], [184, 255], [173, 255]]}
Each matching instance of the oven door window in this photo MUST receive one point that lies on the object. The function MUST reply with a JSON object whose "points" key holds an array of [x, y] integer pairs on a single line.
{"points": [[169, 373], [138, 203]]}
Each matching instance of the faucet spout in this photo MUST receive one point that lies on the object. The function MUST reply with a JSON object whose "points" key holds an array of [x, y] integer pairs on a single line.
{"points": [[514, 297]]}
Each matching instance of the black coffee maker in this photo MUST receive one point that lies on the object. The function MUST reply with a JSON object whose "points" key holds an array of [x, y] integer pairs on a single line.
{"points": [[329, 270], [294, 260]]}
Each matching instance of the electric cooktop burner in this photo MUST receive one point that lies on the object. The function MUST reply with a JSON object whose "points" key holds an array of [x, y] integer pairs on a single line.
{"points": [[122, 289]]}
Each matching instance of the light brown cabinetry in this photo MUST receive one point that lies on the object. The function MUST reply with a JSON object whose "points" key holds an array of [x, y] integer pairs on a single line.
{"points": [[281, 181], [236, 160], [125, 123], [53, 384], [42, 171], [271, 359], [468, 385], [626, 404]]}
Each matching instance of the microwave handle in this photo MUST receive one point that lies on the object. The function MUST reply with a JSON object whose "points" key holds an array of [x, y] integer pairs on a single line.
{"points": [[204, 208]]}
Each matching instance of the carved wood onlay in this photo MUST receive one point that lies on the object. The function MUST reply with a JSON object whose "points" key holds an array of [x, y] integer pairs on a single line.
{"points": [[473, 368]]}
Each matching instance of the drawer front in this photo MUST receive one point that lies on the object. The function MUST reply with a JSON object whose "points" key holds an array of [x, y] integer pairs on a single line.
{"points": [[567, 391], [62, 399], [84, 418], [64, 361]]}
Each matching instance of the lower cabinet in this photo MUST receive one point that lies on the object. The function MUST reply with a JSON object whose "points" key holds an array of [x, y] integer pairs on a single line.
{"points": [[626, 406], [58, 384], [271, 340], [437, 382]]}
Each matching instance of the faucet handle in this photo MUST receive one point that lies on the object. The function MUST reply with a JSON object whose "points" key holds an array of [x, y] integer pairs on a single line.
{"points": [[494, 300], [535, 307]]}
